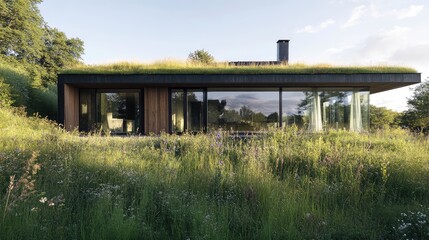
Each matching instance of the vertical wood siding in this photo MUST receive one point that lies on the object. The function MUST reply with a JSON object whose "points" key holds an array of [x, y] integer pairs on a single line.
{"points": [[156, 110], [71, 107]]}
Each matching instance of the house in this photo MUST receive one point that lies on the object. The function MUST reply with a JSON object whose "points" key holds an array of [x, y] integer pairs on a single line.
{"points": [[240, 96]]}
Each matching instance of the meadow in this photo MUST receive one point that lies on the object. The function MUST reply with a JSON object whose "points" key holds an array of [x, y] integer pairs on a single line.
{"points": [[284, 184]]}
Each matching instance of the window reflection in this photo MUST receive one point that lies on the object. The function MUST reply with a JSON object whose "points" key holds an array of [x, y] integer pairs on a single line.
{"points": [[195, 107], [118, 112], [177, 113], [318, 109], [242, 110], [86, 110]]}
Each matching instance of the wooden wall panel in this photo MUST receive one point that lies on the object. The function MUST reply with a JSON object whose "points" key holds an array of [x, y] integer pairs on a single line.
{"points": [[71, 107], [163, 109], [156, 110]]}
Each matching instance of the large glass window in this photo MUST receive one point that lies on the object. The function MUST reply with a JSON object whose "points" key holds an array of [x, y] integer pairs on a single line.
{"points": [[295, 108], [195, 110], [118, 112], [317, 109], [177, 113], [243, 109], [86, 110]]}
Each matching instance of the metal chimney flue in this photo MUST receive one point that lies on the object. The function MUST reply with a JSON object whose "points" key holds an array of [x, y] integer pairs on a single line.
{"points": [[283, 51]]}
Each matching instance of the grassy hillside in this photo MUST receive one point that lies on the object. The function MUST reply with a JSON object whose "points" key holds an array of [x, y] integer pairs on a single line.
{"points": [[177, 67], [284, 185], [19, 89]]}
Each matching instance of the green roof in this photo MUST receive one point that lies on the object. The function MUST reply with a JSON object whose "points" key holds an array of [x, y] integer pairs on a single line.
{"points": [[174, 67]]}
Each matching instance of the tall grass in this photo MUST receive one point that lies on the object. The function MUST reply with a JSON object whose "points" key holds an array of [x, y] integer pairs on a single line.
{"points": [[282, 185]]}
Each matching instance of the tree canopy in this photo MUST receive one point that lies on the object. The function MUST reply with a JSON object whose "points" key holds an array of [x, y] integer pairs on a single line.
{"points": [[26, 40], [31, 55], [417, 115], [201, 56], [383, 118]]}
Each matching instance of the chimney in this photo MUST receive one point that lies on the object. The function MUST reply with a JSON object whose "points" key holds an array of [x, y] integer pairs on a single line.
{"points": [[283, 50]]}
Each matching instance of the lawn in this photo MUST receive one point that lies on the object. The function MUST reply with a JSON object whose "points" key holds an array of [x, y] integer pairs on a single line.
{"points": [[282, 185]]}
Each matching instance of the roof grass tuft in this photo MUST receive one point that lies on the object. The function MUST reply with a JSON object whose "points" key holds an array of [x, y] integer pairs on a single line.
{"points": [[182, 67]]}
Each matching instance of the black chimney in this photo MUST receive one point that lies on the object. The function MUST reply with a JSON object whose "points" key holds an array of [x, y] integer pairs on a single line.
{"points": [[283, 50]]}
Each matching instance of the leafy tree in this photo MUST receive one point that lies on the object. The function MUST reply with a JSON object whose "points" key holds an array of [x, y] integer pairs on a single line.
{"points": [[246, 113], [27, 41], [417, 116], [383, 118], [58, 52], [273, 117], [201, 56], [21, 30]]}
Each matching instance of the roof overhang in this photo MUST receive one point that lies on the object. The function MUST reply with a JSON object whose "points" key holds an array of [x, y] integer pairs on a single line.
{"points": [[375, 82]]}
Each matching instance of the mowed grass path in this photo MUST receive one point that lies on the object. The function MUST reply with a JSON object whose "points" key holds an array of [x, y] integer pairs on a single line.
{"points": [[282, 185]]}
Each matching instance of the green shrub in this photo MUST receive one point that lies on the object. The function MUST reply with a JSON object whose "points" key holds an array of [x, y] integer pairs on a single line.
{"points": [[19, 84], [44, 102], [18, 89]]}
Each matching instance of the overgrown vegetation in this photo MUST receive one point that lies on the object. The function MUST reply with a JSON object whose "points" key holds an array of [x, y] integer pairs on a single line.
{"points": [[17, 89], [384, 118], [28, 42], [180, 67], [31, 54], [282, 185], [417, 115]]}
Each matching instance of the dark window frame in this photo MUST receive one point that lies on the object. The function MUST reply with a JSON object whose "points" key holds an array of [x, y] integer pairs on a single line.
{"points": [[95, 91], [205, 103], [185, 108]]}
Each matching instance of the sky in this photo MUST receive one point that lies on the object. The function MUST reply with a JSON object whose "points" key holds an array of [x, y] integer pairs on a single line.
{"points": [[345, 32]]}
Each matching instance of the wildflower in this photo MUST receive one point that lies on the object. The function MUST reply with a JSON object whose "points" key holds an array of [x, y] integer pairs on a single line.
{"points": [[51, 204], [43, 199]]}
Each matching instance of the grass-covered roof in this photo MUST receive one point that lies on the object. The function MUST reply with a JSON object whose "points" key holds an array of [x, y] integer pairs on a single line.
{"points": [[177, 67]]}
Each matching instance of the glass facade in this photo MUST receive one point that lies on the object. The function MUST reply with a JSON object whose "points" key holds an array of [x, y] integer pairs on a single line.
{"points": [[242, 109], [177, 111], [319, 109], [195, 110], [87, 110], [118, 112], [109, 111], [233, 109]]}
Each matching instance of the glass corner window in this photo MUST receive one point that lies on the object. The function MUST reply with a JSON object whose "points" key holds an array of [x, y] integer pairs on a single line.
{"points": [[320, 109]]}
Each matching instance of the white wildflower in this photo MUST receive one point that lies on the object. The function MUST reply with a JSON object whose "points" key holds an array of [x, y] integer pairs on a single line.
{"points": [[43, 199]]}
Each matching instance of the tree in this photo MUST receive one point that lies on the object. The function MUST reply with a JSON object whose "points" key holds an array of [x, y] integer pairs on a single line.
{"points": [[20, 30], [58, 52], [26, 40], [383, 118], [417, 116], [201, 56], [28, 43]]}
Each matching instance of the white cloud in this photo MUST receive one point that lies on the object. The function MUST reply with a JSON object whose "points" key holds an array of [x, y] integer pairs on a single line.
{"points": [[357, 14], [377, 49], [395, 46], [373, 11], [314, 29], [409, 12]]}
